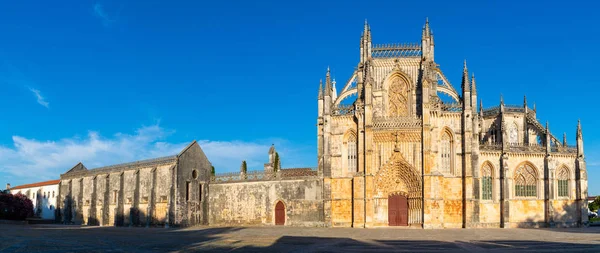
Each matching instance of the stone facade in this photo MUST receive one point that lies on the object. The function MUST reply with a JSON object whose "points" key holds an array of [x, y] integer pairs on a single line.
{"points": [[163, 191], [399, 127], [398, 145]]}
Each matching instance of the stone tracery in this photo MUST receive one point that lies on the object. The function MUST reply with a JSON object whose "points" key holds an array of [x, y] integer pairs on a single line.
{"points": [[398, 97], [397, 175], [525, 181]]}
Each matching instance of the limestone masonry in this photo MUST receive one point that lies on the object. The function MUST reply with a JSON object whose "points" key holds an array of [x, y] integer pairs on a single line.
{"points": [[397, 146]]}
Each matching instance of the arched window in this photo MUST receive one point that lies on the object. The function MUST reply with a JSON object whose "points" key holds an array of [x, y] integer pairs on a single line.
{"points": [[486, 182], [563, 182], [525, 181], [351, 147], [446, 153]]}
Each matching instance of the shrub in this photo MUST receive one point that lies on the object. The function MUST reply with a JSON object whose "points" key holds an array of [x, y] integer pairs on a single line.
{"points": [[276, 162], [15, 207]]}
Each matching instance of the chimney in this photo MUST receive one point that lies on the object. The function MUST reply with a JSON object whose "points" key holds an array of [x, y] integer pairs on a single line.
{"points": [[7, 186]]}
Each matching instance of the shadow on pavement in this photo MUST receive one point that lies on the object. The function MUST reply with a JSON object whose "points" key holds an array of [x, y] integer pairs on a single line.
{"points": [[60, 238]]}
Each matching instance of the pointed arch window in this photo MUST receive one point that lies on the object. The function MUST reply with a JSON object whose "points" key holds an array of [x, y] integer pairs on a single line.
{"points": [[563, 182], [352, 153], [525, 181], [486, 182], [446, 153]]}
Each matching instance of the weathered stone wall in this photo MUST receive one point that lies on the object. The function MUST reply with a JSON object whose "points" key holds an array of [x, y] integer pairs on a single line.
{"points": [[193, 176], [341, 201], [253, 203]]}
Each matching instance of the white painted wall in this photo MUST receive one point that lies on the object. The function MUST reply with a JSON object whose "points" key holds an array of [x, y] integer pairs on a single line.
{"points": [[43, 199]]}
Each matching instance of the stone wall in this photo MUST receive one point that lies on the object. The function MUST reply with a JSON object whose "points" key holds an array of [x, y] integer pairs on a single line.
{"points": [[253, 203]]}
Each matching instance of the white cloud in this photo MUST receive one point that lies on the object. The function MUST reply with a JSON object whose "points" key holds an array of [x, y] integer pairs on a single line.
{"points": [[40, 99], [33, 160], [101, 13]]}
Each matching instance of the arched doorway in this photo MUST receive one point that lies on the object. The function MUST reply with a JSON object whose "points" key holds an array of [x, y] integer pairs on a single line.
{"points": [[397, 210], [279, 213]]}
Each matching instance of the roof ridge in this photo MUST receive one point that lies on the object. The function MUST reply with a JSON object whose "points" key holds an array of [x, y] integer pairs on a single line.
{"points": [[43, 183], [158, 159]]}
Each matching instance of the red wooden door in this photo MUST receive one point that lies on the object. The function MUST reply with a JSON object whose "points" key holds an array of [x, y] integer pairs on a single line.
{"points": [[397, 210], [279, 213]]}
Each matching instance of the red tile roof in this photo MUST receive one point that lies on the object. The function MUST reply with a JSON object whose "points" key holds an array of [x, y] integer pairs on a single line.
{"points": [[51, 182]]}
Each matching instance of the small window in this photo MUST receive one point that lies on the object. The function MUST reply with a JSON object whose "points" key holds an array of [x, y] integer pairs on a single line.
{"points": [[446, 153], [352, 153], [195, 174], [187, 191], [200, 192], [486, 182], [115, 196], [563, 188], [53, 194]]}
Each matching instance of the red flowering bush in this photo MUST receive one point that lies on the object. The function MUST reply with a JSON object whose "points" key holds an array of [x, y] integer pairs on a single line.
{"points": [[15, 207]]}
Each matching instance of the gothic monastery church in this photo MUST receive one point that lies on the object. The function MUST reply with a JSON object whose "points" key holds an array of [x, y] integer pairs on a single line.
{"points": [[398, 145]]}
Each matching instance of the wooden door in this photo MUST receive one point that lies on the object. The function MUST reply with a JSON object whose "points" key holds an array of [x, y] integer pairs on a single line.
{"points": [[397, 210], [279, 213]]}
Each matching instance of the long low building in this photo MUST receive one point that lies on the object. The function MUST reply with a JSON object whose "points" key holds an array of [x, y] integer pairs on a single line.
{"points": [[167, 190], [43, 195]]}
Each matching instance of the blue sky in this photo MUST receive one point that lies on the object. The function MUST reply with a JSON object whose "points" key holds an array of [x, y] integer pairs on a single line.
{"points": [[104, 82]]}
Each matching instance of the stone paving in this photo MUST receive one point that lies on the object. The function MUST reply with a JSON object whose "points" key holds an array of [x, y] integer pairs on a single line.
{"points": [[59, 238]]}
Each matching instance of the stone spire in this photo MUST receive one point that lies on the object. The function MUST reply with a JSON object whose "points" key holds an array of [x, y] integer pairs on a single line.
{"points": [[473, 85], [579, 140], [465, 78], [427, 45], [328, 83], [426, 29], [367, 31], [564, 139], [481, 108], [548, 141], [334, 91], [365, 43], [579, 134], [321, 89]]}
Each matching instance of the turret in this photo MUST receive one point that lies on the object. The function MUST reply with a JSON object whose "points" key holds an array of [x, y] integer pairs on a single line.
{"points": [[473, 94], [466, 88], [333, 91], [427, 45], [579, 140], [525, 104], [365, 43], [501, 103], [320, 98], [327, 98], [548, 141], [481, 108]]}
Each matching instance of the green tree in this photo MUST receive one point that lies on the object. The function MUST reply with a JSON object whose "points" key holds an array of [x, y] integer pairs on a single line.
{"points": [[595, 205], [244, 167], [276, 162], [212, 170]]}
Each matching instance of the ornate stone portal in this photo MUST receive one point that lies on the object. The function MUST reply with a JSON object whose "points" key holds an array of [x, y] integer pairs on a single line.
{"points": [[399, 176]]}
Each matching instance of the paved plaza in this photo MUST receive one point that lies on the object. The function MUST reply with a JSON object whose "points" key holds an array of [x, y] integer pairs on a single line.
{"points": [[59, 238]]}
